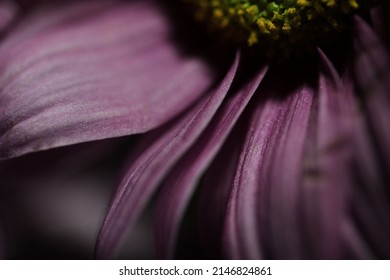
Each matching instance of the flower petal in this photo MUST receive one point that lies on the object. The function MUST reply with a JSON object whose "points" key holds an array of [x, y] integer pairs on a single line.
{"points": [[380, 18], [367, 231], [181, 183], [326, 176], [92, 70], [214, 192], [264, 193], [8, 12], [155, 158], [372, 73], [371, 134]]}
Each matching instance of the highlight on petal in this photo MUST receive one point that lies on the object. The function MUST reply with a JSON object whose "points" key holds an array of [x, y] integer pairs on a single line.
{"points": [[180, 184], [92, 70], [156, 155]]}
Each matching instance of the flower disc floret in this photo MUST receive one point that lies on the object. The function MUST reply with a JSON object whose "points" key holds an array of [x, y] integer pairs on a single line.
{"points": [[256, 21]]}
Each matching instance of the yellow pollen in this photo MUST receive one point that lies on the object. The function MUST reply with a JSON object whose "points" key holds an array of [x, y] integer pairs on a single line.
{"points": [[252, 39], [256, 21], [302, 3]]}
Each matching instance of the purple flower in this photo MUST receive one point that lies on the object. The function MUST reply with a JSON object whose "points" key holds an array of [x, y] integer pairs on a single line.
{"points": [[242, 161]]}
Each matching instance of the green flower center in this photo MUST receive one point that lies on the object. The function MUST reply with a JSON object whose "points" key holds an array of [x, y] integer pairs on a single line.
{"points": [[280, 21]]}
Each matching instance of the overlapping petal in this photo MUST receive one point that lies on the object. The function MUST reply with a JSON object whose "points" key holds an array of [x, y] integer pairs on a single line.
{"points": [[372, 81], [214, 192], [263, 201], [370, 210], [366, 192], [92, 70], [326, 173], [305, 175], [181, 183], [156, 155]]}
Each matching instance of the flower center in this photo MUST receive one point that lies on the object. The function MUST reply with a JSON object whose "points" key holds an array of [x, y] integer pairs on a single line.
{"points": [[279, 21]]}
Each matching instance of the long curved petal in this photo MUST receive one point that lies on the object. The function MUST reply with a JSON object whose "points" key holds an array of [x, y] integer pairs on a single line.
{"points": [[92, 70], [181, 183], [264, 193], [326, 174], [366, 229], [372, 75], [214, 192], [147, 170], [371, 137]]}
